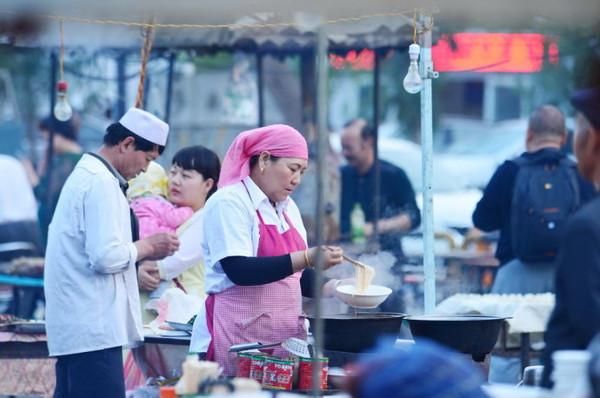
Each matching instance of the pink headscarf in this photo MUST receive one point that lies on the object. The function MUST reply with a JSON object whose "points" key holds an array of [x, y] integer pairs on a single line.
{"points": [[278, 139]]}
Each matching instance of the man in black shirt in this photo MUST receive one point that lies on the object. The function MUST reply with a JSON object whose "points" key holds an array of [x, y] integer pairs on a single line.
{"points": [[398, 211]]}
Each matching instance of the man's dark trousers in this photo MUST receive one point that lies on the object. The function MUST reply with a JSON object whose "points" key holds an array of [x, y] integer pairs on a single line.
{"points": [[90, 374]]}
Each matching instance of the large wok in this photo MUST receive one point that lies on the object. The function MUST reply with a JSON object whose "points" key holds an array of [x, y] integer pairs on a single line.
{"points": [[469, 334], [358, 332]]}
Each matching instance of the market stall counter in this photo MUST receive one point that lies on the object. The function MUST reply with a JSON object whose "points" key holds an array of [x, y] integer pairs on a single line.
{"points": [[25, 366]]}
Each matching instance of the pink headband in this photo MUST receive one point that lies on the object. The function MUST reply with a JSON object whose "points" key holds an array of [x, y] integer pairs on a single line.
{"points": [[278, 139]]}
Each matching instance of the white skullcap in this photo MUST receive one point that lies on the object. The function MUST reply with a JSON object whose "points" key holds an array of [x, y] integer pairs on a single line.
{"points": [[145, 125]]}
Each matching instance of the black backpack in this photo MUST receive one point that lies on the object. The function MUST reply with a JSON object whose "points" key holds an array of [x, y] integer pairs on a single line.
{"points": [[545, 195]]}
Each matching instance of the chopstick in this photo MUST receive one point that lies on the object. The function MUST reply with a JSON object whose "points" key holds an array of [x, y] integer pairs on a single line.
{"points": [[354, 262]]}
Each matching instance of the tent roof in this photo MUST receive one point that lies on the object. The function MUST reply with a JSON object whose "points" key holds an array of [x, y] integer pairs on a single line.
{"points": [[388, 23], [262, 31]]}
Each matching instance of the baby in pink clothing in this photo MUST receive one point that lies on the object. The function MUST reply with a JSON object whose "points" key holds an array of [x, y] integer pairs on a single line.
{"points": [[147, 194]]}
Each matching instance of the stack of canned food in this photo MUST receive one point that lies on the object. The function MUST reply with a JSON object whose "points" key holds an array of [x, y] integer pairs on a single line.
{"points": [[281, 374]]}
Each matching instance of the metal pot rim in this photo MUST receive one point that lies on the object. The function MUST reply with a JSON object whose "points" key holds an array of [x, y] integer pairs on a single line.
{"points": [[454, 318], [362, 316]]}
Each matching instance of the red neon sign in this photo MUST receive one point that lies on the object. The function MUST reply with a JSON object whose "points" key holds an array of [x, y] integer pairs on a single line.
{"points": [[357, 60], [493, 52]]}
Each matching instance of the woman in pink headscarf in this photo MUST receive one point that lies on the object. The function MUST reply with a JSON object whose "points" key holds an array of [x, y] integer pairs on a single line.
{"points": [[257, 262]]}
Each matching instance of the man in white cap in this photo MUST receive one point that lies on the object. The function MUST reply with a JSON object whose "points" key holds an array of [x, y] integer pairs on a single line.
{"points": [[90, 281]]}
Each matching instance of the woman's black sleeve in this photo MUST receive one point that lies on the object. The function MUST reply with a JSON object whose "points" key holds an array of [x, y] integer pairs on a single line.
{"points": [[252, 271]]}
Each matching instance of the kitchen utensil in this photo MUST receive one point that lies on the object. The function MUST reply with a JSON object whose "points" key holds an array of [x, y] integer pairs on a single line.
{"points": [[184, 327], [355, 262], [29, 327], [469, 334], [293, 345], [358, 332], [370, 298], [173, 333]]}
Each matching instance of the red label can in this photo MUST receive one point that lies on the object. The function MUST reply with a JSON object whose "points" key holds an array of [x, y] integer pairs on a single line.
{"points": [[256, 367], [305, 373], [244, 360], [278, 374]]}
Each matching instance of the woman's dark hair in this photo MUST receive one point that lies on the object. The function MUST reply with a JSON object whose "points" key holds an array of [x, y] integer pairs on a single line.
{"points": [[68, 129], [201, 159], [116, 133], [254, 160]]}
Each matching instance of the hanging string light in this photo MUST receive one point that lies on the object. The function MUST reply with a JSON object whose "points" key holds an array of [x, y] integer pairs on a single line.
{"points": [[412, 81], [62, 109]]}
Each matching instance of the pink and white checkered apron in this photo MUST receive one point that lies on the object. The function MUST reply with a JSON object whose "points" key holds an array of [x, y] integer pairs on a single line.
{"points": [[267, 313]]}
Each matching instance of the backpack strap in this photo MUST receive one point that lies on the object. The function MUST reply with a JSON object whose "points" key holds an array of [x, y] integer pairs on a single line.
{"points": [[571, 167], [520, 162]]}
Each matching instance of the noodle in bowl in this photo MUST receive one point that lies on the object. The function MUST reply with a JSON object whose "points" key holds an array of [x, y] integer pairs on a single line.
{"points": [[371, 297]]}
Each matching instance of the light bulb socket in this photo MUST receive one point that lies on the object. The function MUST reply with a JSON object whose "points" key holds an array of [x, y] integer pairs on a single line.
{"points": [[413, 51], [62, 86]]}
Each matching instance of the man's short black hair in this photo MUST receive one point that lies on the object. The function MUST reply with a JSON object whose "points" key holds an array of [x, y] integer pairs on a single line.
{"points": [[116, 133]]}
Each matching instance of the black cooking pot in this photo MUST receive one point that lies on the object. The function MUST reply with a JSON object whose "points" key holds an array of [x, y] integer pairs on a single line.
{"points": [[469, 334], [358, 332]]}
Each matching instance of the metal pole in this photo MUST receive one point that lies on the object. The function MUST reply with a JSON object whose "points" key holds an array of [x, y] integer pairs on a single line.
{"points": [[322, 148], [308, 87], [50, 149], [377, 193], [261, 91], [427, 165], [169, 100], [121, 86], [53, 68]]}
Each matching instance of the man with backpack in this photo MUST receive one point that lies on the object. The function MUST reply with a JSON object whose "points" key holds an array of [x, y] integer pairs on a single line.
{"points": [[529, 199]]}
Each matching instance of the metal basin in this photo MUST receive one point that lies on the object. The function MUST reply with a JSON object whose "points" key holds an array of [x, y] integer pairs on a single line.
{"points": [[469, 334], [358, 332]]}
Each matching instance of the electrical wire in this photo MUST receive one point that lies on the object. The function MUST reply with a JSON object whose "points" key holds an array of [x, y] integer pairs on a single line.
{"points": [[92, 21]]}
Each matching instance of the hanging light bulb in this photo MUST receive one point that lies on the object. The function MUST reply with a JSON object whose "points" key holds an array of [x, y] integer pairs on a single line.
{"points": [[62, 109], [412, 81]]}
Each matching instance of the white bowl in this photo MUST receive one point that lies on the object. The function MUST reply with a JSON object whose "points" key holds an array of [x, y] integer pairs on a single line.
{"points": [[370, 298]]}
